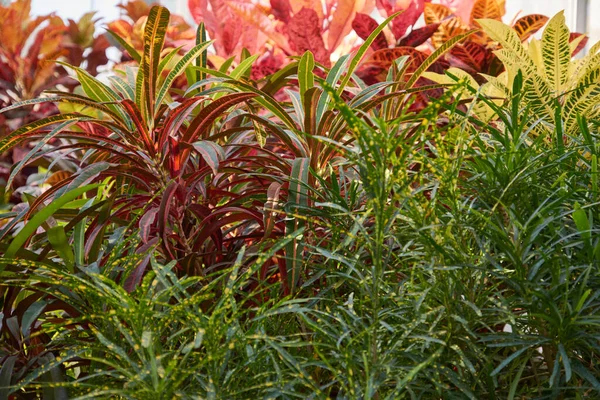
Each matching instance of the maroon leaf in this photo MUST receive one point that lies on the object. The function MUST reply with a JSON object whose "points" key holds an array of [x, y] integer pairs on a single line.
{"points": [[281, 10], [146, 223], [471, 55], [364, 25], [412, 11], [581, 45], [305, 34], [134, 279], [375, 68], [418, 36]]}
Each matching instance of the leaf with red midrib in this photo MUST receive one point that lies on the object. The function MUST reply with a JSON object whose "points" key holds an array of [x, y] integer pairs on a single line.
{"points": [[305, 34], [364, 25]]}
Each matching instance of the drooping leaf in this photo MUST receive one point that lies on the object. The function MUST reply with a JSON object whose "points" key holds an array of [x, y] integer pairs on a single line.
{"points": [[40, 217], [211, 152], [205, 118], [271, 207], [146, 222]]}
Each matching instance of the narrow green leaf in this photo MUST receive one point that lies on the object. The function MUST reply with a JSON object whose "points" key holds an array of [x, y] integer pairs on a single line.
{"points": [[178, 69], [508, 360], [40, 217], [433, 57], [58, 239], [132, 51], [362, 50]]}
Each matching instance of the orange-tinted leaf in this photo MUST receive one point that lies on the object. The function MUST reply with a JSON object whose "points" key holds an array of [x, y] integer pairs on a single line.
{"points": [[419, 36], [436, 13], [469, 55], [364, 25], [461, 8], [375, 68], [447, 30], [581, 45], [315, 5], [136, 9], [342, 20], [529, 25], [57, 177], [489, 9], [305, 34]]}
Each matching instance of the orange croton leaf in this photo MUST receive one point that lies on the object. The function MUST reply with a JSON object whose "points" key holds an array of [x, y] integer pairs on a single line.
{"points": [[529, 25], [489, 9], [343, 17]]}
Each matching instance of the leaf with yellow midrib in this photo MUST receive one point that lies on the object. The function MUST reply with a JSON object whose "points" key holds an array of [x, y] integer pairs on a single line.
{"points": [[556, 52]]}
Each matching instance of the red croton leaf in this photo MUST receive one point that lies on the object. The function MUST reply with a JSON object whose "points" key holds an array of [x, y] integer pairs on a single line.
{"points": [[304, 30], [581, 45], [364, 25], [470, 56], [266, 65], [281, 9], [412, 11], [419, 36], [376, 67]]}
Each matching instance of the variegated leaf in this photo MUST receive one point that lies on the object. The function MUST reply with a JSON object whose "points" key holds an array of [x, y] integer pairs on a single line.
{"points": [[529, 25], [556, 52]]}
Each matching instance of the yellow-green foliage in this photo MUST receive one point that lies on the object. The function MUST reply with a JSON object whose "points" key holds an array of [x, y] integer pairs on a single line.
{"points": [[549, 72]]}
